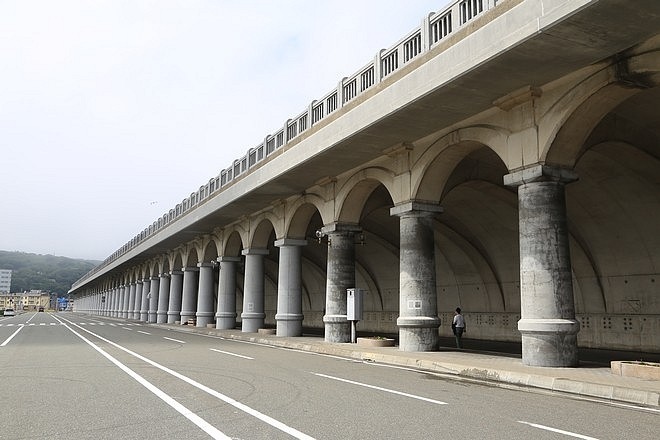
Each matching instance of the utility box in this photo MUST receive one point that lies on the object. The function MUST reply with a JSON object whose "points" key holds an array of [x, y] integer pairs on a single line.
{"points": [[354, 301]]}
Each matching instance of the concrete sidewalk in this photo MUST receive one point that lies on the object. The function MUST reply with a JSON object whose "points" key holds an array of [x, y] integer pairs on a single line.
{"points": [[588, 380]]}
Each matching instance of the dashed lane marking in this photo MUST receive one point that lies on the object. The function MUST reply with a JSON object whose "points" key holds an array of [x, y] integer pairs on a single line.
{"points": [[425, 399], [231, 354], [558, 431]]}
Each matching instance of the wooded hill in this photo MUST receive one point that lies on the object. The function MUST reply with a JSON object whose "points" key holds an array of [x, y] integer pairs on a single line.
{"points": [[43, 272]]}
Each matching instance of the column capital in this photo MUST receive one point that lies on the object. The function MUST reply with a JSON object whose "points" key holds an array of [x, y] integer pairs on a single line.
{"points": [[540, 173], [290, 242], [338, 227], [165, 275], [190, 269], [415, 207], [176, 272], [224, 259], [255, 251], [204, 264]]}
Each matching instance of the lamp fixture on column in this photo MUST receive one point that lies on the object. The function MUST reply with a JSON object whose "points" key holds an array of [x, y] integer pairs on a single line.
{"points": [[319, 236]]}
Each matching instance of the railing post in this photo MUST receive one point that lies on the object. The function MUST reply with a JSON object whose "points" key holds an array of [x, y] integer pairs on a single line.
{"points": [[426, 33], [340, 93], [378, 66]]}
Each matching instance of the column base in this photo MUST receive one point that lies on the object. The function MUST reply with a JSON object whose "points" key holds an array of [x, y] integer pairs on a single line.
{"points": [[337, 328], [418, 333], [161, 317], [186, 315], [225, 321], [289, 324], [549, 342], [204, 318], [173, 317], [152, 318], [252, 322]]}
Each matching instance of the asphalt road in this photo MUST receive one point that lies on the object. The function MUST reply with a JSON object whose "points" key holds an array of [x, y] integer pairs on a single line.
{"points": [[68, 376]]}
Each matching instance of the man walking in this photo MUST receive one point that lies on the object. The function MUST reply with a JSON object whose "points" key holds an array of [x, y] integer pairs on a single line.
{"points": [[458, 327]]}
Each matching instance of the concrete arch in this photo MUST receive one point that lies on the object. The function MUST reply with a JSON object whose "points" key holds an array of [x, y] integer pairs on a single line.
{"points": [[357, 189], [260, 235], [209, 250], [300, 213], [435, 166], [613, 214], [191, 256], [174, 258], [233, 241], [574, 116]]}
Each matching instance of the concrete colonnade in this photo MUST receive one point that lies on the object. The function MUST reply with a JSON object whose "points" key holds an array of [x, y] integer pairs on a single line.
{"points": [[547, 325]]}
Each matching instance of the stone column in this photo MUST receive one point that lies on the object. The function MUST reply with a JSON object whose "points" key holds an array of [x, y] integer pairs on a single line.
{"points": [[205, 295], [123, 301], [189, 296], [139, 285], [340, 277], [253, 315], [176, 290], [131, 301], [418, 320], [113, 308], [153, 299], [163, 298], [547, 308], [289, 314], [115, 302], [108, 300], [144, 302], [225, 318], [105, 300]]}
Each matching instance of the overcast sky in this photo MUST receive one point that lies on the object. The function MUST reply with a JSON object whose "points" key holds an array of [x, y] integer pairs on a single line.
{"points": [[112, 112]]}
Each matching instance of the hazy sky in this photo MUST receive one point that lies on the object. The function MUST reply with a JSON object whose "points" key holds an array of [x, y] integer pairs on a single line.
{"points": [[113, 111]]}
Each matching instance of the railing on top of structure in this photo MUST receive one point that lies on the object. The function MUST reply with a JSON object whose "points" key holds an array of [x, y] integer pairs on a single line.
{"points": [[434, 28]]}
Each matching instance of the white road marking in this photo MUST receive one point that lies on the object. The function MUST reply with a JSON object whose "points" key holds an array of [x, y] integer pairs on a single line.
{"points": [[20, 327], [175, 340], [144, 333], [236, 404], [201, 423], [129, 329], [559, 431], [425, 399], [231, 354]]}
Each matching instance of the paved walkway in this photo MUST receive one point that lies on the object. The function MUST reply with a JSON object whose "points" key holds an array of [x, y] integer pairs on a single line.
{"points": [[592, 379]]}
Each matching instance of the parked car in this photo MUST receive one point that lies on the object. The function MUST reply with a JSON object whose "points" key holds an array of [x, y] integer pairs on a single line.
{"points": [[10, 312], [41, 309]]}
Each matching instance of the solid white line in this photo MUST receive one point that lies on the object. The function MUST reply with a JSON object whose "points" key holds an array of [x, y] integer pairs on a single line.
{"points": [[231, 354], [425, 399], [129, 329], [175, 340], [559, 431], [20, 327], [201, 423], [144, 333], [253, 412]]}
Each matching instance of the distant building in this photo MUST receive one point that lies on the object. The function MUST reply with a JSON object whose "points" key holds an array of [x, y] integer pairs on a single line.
{"points": [[27, 301], [5, 280]]}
